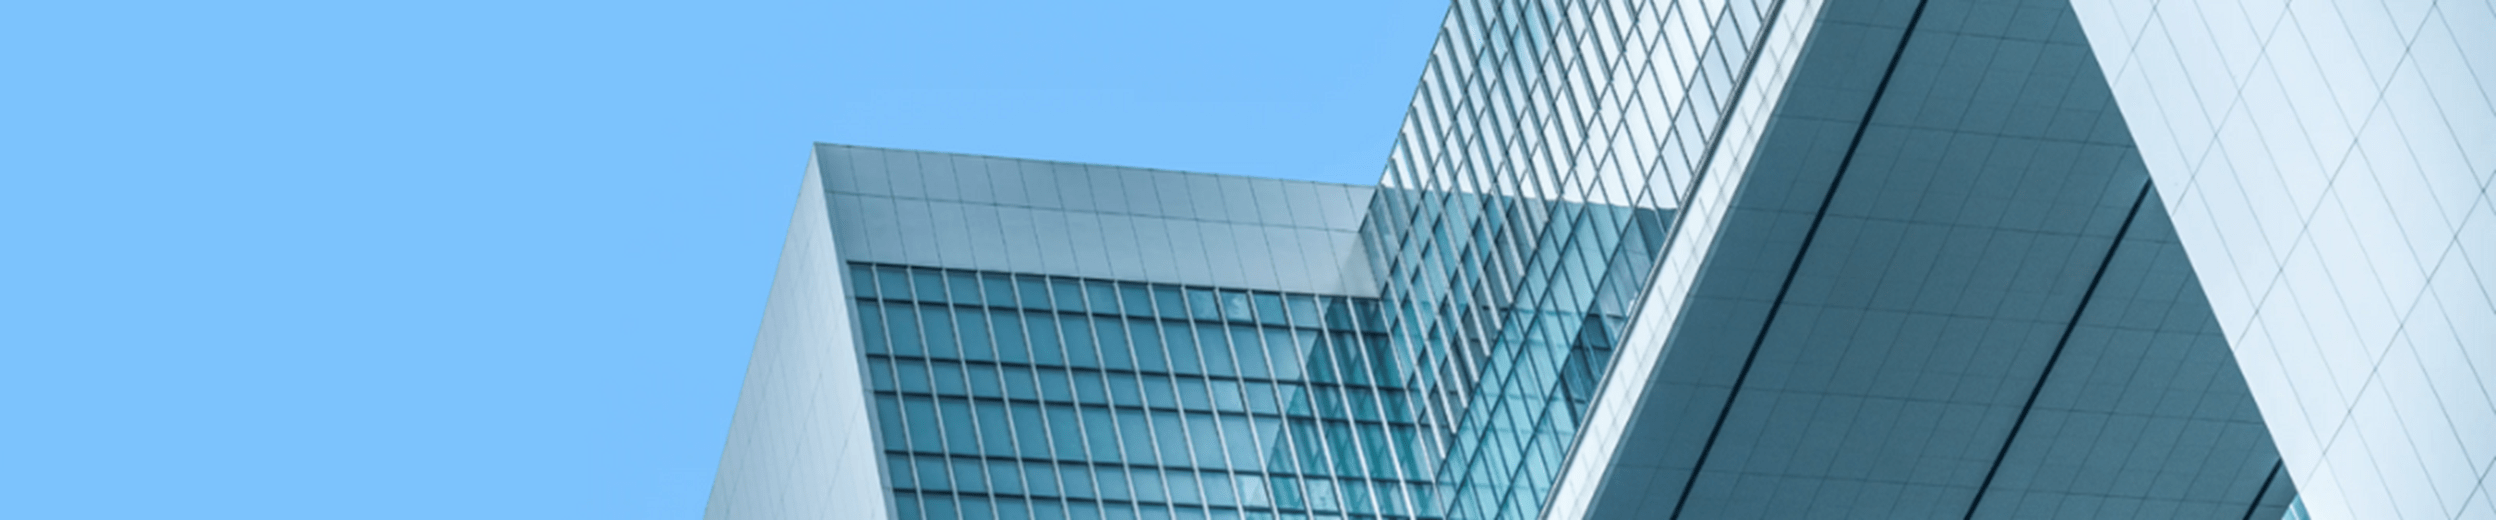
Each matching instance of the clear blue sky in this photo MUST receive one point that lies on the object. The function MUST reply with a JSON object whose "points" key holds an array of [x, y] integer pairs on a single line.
{"points": [[489, 260]]}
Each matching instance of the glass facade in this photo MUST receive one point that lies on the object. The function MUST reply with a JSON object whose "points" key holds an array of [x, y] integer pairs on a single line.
{"points": [[1697, 259], [1523, 208], [1018, 396]]}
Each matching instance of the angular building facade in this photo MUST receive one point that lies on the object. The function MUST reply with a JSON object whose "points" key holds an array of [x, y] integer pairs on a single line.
{"points": [[1696, 259]]}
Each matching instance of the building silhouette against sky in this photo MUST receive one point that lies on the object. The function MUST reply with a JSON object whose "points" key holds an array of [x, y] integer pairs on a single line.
{"points": [[1698, 259]]}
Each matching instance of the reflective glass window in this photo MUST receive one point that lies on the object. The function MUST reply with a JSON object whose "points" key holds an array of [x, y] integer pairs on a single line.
{"points": [[1148, 350], [1115, 351], [1111, 481], [1032, 292], [913, 376], [963, 286], [968, 477], [1066, 294], [930, 286], [937, 322], [1134, 300], [1100, 297], [862, 280], [901, 328], [1270, 309], [997, 289], [1201, 305], [984, 381], [1137, 430], [1167, 302], [972, 328], [893, 283]]}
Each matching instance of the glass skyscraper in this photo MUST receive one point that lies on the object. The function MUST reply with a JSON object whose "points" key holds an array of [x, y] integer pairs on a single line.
{"points": [[1697, 259]]}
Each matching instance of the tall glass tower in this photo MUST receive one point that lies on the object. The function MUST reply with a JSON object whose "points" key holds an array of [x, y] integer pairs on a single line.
{"points": [[1697, 259]]}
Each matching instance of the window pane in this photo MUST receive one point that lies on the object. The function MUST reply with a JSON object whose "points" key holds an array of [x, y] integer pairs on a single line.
{"points": [[964, 287], [1158, 394], [1006, 476], [1019, 383], [1031, 432], [1244, 341], [995, 434], [1112, 482], [984, 382], [1201, 433], [1183, 489], [1235, 306], [1200, 305], [1007, 327], [937, 323], [968, 477], [949, 379], [1217, 488], [973, 326], [976, 508], [901, 324], [1147, 343], [913, 376], [1136, 301], [1148, 485], [1104, 438], [998, 289], [1066, 294], [1089, 390], [897, 468], [1045, 348], [1013, 509], [1226, 397], [1260, 398], [1135, 428], [931, 472], [1216, 351], [1173, 438], [888, 416], [862, 281], [1054, 386], [1168, 303], [1101, 297], [871, 327], [1182, 347], [892, 283], [880, 374], [1304, 311], [1075, 481], [1113, 342], [961, 434], [930, 287], [1033, 291], [939, 507], [1236, 432], [1067, 432], [1124, 391], [906, 505], [1270, 309], [1192, 394], [1042, 478], [1080, 350]]}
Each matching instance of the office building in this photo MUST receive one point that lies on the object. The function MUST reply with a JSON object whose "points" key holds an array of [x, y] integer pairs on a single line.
{"points": [[1696, 259]]}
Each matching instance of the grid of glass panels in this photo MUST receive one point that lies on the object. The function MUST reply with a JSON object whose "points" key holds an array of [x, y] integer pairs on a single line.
{"points": [[1014, 396], [1522, 208]]}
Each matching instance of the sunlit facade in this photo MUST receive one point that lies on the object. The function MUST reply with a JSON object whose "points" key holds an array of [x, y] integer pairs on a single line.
{"points": [[1695, 259]]}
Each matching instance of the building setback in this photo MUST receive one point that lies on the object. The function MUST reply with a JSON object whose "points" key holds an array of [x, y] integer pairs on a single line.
{"points": [[1696, 259]]}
